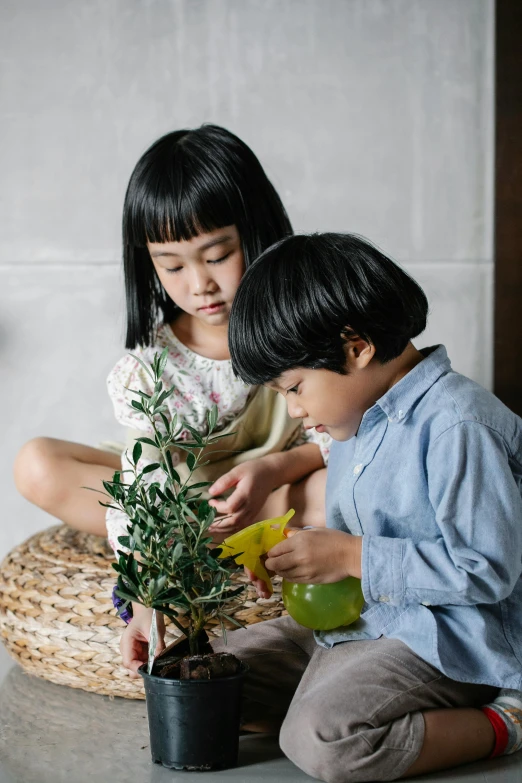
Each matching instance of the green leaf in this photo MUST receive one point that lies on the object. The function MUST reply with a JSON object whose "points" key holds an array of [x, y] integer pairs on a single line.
{"points": [[137, 405], [125, 594], [162, 363], [212, 417], [166, 422], [178, 551], [148, 441], [191, 461], [142, 394], [150, 468], [145, 366], [173, 472], [232, 620], [195, 434], [136, 452]]}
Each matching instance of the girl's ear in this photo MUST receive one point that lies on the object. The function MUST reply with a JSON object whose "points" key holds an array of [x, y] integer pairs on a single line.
{"points": [[359, 352]]}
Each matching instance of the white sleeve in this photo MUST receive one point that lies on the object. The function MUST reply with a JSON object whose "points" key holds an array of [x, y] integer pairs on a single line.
{"points": [[129, 374]]}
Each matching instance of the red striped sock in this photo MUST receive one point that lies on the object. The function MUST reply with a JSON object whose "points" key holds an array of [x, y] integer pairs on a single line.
{"points": [[500, 729]]}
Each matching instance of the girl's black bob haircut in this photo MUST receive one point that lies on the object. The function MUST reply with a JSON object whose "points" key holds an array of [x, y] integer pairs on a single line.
{"points": [[306, 295], [189, 182]]}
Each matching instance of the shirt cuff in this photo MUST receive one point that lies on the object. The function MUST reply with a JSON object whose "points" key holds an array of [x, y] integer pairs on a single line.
{"points": [[382, 576]]}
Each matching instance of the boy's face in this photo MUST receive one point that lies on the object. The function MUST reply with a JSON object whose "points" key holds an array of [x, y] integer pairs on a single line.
{"points": [[331, 402]]}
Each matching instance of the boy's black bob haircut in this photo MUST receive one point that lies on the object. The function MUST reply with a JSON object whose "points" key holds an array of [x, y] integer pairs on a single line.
{"points": [[301, 300], [188, 182]]}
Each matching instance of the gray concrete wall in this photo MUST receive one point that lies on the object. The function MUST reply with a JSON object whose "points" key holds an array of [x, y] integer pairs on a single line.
{"points": [[372, 116]]}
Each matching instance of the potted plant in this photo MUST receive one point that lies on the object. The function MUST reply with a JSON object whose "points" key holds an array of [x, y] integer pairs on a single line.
{"points": [[166, 563]]}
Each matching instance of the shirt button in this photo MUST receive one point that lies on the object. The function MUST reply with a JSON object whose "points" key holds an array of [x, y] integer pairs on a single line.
{"points": [[401, 414], [384, 599], [390, 418], [357, 469]]}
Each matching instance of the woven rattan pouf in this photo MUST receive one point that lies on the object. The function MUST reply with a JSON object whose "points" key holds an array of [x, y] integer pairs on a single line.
{"points": [[57, 619]]}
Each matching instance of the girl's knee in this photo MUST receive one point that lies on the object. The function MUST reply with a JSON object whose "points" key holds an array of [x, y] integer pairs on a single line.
{"points": [[35, 471]]}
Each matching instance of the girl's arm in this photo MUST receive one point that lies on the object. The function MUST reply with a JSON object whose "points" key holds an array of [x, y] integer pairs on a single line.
{"points": [[253, 482]]}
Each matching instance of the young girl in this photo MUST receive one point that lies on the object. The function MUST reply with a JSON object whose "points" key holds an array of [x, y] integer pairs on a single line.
{"points": [[198, 210]]}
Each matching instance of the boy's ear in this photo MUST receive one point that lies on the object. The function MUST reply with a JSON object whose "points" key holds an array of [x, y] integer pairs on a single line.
{"points": [[359, 352]]}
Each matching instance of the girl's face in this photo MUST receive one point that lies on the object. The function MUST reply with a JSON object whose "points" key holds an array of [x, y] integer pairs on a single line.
{"points": [[201, 275]]}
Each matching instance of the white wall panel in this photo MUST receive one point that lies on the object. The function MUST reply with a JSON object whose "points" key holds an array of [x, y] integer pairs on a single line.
{"points": [[372, 116]]}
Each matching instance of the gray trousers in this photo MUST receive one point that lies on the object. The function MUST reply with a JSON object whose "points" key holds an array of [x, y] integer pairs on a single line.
{"points": [[351, 713]]}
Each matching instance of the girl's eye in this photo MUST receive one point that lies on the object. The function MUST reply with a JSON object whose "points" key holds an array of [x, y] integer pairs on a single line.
{"points": [[218, 260], [174, 269]]}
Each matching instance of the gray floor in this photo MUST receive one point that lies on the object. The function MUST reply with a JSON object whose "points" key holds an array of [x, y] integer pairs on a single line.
{"points": [[50, 733]]}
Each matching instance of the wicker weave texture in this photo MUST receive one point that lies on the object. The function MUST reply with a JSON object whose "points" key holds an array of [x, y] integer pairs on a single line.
{"points": [[57, 619]]}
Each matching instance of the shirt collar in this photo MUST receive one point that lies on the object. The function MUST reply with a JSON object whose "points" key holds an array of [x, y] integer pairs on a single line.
{"points": [[403, 395]]}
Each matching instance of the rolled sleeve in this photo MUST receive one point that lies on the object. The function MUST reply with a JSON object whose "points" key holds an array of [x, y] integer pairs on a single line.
{"points": [[382, 569]]}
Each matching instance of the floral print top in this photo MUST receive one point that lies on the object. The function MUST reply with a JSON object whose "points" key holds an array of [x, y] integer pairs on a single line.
{"points": [[199, 383]]}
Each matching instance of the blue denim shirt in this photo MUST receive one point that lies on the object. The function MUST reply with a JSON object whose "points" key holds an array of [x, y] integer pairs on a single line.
{"points": [[433, 483]]}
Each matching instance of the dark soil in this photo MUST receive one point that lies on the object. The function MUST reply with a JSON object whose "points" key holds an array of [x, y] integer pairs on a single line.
{"points": [[176, 663]]}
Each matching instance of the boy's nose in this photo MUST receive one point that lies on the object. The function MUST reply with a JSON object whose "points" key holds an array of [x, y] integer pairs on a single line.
{"points": [[295, 411]]}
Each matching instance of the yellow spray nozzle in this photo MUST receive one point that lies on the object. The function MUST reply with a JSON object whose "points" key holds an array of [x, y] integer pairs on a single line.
{"points": [[250, 544]]}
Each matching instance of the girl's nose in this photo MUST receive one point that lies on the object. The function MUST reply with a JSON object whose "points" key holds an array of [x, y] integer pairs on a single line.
{"points": [[202, 283]]}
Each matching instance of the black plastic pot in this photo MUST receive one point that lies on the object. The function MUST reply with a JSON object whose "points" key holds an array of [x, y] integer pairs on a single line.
{"points": [[194, 724]]}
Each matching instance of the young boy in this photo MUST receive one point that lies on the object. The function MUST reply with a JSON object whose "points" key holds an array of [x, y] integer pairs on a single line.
{"points": [[424, 504]]}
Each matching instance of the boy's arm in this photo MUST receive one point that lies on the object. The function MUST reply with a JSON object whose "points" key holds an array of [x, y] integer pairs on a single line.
{"points": [[476, 557]]}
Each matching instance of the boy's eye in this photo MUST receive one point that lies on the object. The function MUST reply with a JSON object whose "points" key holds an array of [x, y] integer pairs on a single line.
{"points": [[294, 390], [218, 260]]}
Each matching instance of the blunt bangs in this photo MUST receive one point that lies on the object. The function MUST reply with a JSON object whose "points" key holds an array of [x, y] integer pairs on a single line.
{"points": [[306, 295], [176, 193]]}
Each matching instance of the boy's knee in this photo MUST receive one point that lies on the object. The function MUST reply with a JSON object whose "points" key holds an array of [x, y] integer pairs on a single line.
{"points": [[347, 758], [35, 471]]}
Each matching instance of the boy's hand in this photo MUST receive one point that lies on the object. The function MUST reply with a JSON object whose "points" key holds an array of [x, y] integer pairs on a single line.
{"points": [[134, 643], [317, 556], [253, 482]]}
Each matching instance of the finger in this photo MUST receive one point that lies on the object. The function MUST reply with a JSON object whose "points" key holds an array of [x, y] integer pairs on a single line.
{"points": [[135, 656], [223, 523], [135, 664], [227, 481], [262, 589], [283, 548], [282, 564], [221, 506]]}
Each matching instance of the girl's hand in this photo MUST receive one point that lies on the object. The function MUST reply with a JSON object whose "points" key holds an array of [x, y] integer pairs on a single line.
{"points": [[253, 482], [134, 643], [261, 587], [316, 556]]}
